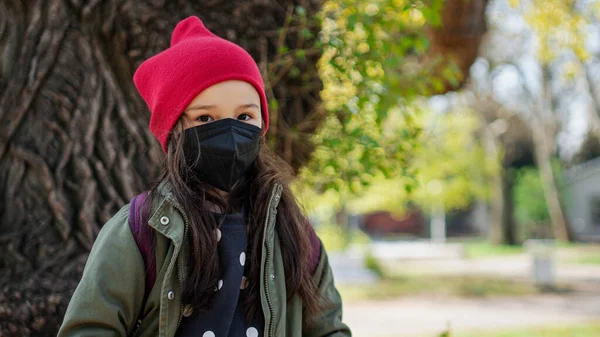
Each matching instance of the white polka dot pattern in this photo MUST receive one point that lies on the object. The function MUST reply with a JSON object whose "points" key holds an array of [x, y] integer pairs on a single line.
{"points": [[209, 334], [251, 332], [243, 258], [218, 231]]}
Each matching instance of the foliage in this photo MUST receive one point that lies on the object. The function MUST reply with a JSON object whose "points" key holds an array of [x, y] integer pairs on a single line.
{"points": [[373, 264], [453, 167], [443, 164], [531, 210], [335, 239], [530, 205], [559, 25], [370, 67]]}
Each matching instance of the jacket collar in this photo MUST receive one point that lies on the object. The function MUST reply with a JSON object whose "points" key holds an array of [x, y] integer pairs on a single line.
{"points": [[167, 206]]}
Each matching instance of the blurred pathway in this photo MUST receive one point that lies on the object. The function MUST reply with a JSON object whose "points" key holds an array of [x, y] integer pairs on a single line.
{"points": [[427, 317]]}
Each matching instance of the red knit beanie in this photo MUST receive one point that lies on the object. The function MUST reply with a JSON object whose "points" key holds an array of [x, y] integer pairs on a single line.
{"points": [[196, 60]]}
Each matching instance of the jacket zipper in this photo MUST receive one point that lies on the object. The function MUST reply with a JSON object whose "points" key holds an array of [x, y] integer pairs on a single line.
{"points": [[179, 276], [272, 213], [271, 311], [269, 301]]}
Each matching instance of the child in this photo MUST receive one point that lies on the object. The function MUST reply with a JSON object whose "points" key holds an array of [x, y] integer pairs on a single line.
{"points": [[230, 252]]}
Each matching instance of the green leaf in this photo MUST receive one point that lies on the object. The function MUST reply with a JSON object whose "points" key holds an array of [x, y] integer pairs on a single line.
{"points": [[301, 54], [300, 10], [306, 33], [273, 104], [352, 19]]}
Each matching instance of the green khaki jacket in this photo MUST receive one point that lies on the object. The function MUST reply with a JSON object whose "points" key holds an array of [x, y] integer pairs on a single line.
{"points": [[110, 295]]}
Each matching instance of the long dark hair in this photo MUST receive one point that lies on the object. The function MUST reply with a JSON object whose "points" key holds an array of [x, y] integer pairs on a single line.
{"points": [[253, 192]]}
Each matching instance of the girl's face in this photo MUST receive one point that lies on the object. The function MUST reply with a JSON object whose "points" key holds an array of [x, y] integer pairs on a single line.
{"points": [[230, 99]]}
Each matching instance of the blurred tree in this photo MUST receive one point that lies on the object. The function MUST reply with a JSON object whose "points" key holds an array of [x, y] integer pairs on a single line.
{"points": [[547, 82], [445, 159], [444, 174], [506, 136], [379, 55], [560, 27], [590, 149], [531, 210]]}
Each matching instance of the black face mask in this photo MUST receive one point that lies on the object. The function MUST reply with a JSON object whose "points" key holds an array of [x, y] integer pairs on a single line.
{"points": [[221, 152]]}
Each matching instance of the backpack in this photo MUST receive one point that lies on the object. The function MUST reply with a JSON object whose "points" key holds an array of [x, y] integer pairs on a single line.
{"points": [[143, 234]]}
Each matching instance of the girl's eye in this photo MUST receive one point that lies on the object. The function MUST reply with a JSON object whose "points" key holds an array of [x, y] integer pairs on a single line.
{"points": [[205, 119], [244, 117]]}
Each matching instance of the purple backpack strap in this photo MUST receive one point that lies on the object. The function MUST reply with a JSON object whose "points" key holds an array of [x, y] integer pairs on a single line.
{"points": [[143, 235]]}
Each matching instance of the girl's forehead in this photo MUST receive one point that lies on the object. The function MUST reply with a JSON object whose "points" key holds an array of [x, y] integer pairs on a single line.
{"points": [[228, 93]]}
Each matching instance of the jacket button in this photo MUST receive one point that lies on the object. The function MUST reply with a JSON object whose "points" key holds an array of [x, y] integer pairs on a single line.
{"points": [[171, 295], [164, 220], [218, 232], [272, 277]]}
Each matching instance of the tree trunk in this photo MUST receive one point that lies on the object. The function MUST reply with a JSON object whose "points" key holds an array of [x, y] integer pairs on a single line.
{"points": [[543, 130], [459, 36], [502, 222], [555, 206], [593, 114], [74, 139], [503, 229], [508, 215]]}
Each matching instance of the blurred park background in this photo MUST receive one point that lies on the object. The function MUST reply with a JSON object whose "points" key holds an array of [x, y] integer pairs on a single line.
{"points": [[447, 152]]}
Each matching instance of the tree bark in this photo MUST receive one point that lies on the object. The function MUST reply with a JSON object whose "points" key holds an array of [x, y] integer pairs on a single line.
{"points": [[502, 228], [558, 219], [503, 225], [74, 139], [508, 139], [459, 36], [508, 216]]}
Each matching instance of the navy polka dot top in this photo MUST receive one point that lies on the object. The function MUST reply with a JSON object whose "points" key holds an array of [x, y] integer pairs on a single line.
{"points": [[226, 317]]}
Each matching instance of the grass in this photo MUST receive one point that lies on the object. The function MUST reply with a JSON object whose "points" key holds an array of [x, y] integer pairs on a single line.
{"points": [[594, 259], [477, 249], [452, 286], [578, 330], [582, 254], [576, 253]]}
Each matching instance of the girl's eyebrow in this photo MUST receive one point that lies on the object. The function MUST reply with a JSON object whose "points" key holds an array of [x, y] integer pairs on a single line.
{"points": [[201, 107], [210, 107], [246, 106]]}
